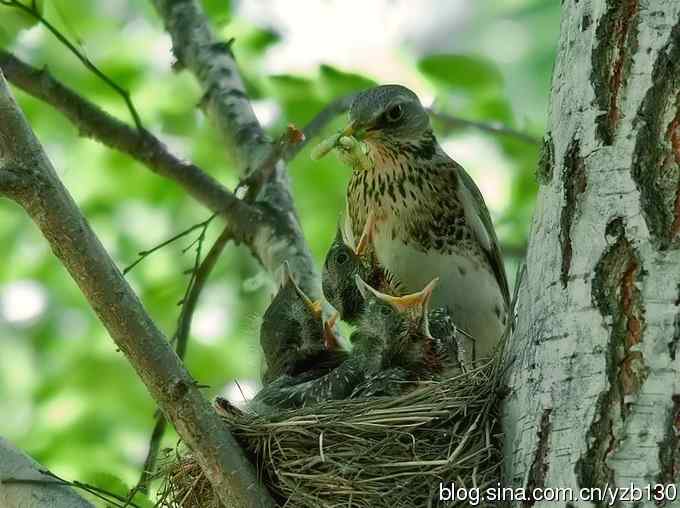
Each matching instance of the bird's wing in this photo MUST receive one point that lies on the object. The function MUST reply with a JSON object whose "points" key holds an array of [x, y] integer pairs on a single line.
{"points": [[477, 215]]}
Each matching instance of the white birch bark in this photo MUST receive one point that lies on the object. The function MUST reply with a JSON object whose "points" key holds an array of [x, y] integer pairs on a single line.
{"points": [[596, 375]]}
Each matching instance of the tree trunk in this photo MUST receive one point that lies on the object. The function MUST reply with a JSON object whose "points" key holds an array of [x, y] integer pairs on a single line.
{"points": [[594, 395]]}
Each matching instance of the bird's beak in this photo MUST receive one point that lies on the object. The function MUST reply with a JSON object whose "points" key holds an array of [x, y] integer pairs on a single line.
{"points": [[364, 288], [367, 235], [419, 301], [285, 275], [313, 306], [330, 339], [354, 129], [350, 128]]}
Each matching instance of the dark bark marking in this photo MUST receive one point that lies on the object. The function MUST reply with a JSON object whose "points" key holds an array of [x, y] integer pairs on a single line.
{"points": [[586, 21], [656, 164], [669, 446], [673, 137], [546, 163], [539, 466], [575, 182], [615, 294], [223, 47], [247, 132], [675, 340], [616, 43]]}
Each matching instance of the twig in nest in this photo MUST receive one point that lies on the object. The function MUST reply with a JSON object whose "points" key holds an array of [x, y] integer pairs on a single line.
{"points": [[377, 452], [33, 11]]}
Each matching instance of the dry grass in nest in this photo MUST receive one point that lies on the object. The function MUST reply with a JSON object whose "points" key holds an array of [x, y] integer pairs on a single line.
{"points": [[379, 452]]}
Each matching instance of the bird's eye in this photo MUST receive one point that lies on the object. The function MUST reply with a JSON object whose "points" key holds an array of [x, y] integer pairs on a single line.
{"points": [[342, 258], [395, 113]]}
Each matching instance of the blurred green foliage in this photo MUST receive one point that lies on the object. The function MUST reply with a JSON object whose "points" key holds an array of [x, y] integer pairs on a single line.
{"points": [[66, 395]]}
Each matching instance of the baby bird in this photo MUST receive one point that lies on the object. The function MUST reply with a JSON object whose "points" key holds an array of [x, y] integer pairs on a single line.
{"points": [[402, 325], [288, 392], [392, 346], [344, 262], [293, 335]]}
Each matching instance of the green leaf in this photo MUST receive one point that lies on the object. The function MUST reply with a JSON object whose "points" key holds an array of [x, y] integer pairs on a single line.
{"points": [[289, 87], [461, 72], [258, 40], [14, 20], [298, 97], [218, 10], [336, 83], [493, 107]]}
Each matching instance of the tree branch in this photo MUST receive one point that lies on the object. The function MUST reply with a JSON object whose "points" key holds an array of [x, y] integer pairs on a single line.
{"points": [[317, 124], [31, 10], [93, 122], [453, 122], [271, 234], [48, 203], [19, 467], [181, 337], [212, 63]]}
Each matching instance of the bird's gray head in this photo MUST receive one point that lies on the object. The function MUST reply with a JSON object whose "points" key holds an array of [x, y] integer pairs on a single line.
{"points": [[391, 111]]}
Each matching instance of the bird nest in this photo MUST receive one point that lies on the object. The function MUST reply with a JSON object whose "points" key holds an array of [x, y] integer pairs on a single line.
{"points": [[371, 452]]}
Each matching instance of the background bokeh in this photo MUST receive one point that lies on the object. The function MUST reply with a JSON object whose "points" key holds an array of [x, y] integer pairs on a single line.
{"points": [[66, 395]]}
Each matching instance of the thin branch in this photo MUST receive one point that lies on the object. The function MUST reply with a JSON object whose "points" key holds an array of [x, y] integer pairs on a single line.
{"points": [[318, 123], [212, 63], [146, 253], [149, 466], [49, 204], [32, 11], [95, 123], [514, 250], [272, 232], [289, 145], [342, 104], [453, 122], [256, 179], [200, 275]]}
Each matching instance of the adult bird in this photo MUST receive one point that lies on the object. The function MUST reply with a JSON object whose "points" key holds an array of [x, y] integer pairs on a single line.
{"points": [[392, 348], [431, 219]]}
